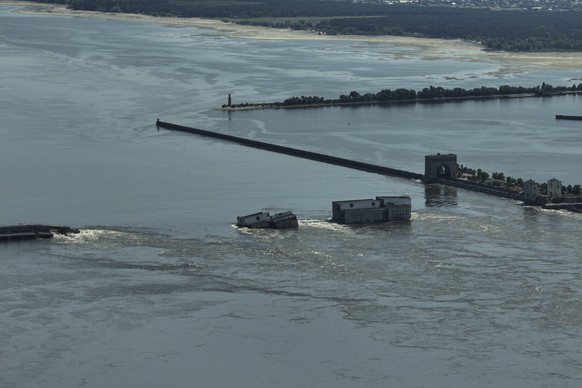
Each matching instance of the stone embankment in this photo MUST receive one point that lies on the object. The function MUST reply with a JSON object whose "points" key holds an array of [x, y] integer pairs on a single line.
{"points": [[481, 188]]}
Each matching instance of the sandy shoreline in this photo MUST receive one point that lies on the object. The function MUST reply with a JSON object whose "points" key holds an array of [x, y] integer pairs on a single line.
{"points": [[429, 49]]}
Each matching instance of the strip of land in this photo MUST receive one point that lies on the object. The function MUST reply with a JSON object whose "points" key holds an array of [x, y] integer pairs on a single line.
{"points": [[427, 49], [251, 106]]}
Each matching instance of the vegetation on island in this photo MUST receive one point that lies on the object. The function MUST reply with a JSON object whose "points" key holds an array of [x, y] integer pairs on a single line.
{"points": [[498, 179], [430, 93], [508, 30]]}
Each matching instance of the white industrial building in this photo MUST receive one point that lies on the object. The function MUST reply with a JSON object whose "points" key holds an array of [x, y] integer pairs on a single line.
{"points": [[531, 190], [554, 188], [380, 209]]}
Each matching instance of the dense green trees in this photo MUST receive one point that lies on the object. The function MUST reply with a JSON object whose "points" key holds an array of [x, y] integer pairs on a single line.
{"points": [[499, 30], [429, 93], [499, 179], [523, 30], [240, 9]]}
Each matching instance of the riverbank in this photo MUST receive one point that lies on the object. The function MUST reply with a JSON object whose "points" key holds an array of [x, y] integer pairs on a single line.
{"points": [[427, 49]]}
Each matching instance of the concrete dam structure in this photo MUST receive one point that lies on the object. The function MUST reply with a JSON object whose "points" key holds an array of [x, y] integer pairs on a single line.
{"points": [[32, 232], [439, 168], [294, 152]]}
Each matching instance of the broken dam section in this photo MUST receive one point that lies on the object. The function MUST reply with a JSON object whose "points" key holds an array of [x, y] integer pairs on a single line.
{"points": [[353, 164]]}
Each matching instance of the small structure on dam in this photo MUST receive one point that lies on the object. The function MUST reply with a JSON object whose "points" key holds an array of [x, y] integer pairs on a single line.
{"points": [[380, 209], [440, 166], [554, 197]]}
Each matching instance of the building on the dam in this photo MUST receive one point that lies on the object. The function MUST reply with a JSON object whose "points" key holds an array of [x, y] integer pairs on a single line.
{"points": [[554, 188], [440, 166], [380, 209], [553, 199], [531, 191], [532, 195]]}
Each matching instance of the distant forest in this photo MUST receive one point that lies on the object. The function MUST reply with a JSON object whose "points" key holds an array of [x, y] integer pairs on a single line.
{"points": [[507, 30]]}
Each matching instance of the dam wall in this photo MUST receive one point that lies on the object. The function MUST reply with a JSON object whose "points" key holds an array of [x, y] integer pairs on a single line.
{"points": [[367, 167], [294, 152], [31, 232]]}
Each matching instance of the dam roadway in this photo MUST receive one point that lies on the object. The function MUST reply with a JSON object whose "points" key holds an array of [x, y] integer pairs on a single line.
{"points": [[353, 164]]}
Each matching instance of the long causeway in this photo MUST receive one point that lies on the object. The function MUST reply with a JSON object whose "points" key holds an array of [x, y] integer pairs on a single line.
{"points": [[373, 168], [294, 152]]}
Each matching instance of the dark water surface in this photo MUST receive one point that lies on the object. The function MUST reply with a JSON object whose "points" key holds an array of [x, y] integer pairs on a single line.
{"points": [[159, 289]]}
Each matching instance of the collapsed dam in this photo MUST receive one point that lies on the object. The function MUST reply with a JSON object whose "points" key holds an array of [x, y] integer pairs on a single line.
{"points": [[440, 168], [294, 152]]}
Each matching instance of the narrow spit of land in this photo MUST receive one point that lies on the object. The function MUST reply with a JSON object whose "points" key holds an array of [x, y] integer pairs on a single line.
{"points": [[278, 105], [408, 96]]}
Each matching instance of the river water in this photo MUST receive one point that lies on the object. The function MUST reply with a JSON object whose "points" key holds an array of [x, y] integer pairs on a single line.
{"points": [[160, 289]]}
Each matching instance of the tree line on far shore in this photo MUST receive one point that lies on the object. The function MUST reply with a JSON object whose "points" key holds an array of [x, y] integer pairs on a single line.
{"points": [[429, 93], [507, 30]]}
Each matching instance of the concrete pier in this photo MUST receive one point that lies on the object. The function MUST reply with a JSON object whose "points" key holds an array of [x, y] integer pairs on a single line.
{"points": [[294, 152], [32, 232], [567, 117], [430, 176]]}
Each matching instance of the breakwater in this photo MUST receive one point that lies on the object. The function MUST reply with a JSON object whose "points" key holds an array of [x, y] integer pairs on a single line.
{"points": [[31, 232], [430, 95], [567, 117], [353, 164], [294, 152]]}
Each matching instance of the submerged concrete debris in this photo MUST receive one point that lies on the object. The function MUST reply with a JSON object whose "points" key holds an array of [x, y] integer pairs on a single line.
{"points": [[263, 220], [31, 232]]}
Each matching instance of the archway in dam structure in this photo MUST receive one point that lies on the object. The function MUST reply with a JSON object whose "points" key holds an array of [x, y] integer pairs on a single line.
{"points": [[440, 166], [444, 171]]}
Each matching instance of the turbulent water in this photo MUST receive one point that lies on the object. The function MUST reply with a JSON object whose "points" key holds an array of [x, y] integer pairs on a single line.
{"points": [[160, 289]]}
